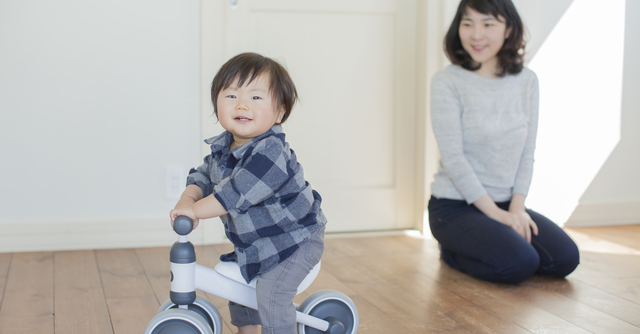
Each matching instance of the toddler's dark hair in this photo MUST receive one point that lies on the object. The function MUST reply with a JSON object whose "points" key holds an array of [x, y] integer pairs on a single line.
{"points": [[510, 57], [246, 67]]}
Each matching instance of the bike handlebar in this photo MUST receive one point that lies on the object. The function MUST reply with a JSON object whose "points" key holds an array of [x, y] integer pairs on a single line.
{"points": [[183, 225]]}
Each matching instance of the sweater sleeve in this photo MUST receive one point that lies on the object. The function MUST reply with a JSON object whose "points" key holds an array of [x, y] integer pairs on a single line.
{"points": [[525, 168], [446, 113]]}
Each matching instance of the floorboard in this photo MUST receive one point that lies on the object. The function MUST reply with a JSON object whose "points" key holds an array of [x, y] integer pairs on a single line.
{"points": [[616, 234], [5, 261], [156, 265], [27, 304], [398, 283], [80, 306], [596, 297], [498, 301], [585, 316], [127, 290]]}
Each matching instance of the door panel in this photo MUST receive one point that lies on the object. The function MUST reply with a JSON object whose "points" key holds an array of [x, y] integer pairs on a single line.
{"points": [[354, 128], [345, 95]]}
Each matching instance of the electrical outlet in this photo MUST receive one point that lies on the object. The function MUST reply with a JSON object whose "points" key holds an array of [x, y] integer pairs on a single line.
{"points": [[175, 182]]}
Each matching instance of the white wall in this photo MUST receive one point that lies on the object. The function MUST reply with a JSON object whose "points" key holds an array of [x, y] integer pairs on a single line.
{"points": [[613, 197], [96, 99], [539, 18]]}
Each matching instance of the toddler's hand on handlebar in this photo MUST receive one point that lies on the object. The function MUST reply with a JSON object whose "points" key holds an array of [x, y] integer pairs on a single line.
{"points": [[184, 211]]}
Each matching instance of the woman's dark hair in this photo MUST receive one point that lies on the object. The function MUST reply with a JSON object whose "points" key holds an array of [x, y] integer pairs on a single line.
{"points": [[248, 66], [510, 57]]}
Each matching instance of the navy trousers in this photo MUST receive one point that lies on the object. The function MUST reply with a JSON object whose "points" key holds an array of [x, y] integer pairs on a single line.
{"points": [[487, 249]]}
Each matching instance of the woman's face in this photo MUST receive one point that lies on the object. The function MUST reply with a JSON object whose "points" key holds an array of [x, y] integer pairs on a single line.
{"points": [[482, 36]]}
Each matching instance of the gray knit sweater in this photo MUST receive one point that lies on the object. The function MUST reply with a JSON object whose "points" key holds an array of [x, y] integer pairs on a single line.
{"points": [[486, 132]]}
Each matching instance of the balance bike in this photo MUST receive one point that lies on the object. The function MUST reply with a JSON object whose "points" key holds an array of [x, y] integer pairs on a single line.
{"points": [[324, 311]]}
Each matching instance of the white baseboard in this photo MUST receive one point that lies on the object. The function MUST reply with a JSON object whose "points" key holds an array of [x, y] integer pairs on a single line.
{"points": [[605, 214], [100, 234], [125, 233]]}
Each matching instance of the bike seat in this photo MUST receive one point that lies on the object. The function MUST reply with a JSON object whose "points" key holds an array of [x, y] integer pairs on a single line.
{"points": [[232, 270]]}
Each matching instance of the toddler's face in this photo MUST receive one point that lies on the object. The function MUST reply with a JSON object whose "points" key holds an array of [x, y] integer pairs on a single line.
{"points": [[247, 111]]}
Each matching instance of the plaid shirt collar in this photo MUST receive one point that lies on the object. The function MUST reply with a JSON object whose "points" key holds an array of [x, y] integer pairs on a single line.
{"points": [[220, 144]]}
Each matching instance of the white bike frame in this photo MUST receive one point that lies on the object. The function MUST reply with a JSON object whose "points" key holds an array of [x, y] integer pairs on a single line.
{"points": [[210, 281], [187, 277]]}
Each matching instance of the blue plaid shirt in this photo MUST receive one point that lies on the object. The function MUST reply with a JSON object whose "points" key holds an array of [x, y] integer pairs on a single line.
{"points": [[271, 209]]}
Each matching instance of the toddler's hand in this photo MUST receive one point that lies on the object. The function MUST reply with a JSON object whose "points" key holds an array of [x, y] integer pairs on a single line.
{"points": [[184, 211]]}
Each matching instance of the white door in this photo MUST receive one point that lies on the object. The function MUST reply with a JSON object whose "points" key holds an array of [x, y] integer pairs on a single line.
{"points": [[354, 129]]}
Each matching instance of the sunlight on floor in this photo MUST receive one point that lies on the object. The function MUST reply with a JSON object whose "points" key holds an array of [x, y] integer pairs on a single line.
{"points": [[425, 225], [417, 234], [580, 71], [590, 244]]}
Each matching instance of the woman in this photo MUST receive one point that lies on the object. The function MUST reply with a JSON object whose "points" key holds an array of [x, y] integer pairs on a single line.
{"points": [[484, 111]]}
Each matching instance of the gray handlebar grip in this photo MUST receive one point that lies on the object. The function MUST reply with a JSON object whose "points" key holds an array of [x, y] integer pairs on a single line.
{"points": [[183, 225]]}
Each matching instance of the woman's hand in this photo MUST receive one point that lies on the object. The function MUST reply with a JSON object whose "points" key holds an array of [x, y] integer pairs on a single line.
{"points": [[520, 222], [186, 210], [516, 218]]}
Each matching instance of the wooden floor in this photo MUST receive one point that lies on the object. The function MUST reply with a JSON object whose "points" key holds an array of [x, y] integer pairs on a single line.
{"points": [[397, 282]]}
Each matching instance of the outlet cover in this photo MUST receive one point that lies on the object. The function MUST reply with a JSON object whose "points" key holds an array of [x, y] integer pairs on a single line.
{"points": [[176, 178]]}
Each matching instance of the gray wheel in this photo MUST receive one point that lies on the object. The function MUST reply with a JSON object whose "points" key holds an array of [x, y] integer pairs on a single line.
{"points": [[178, 321], [332, 306], [203, 308]]}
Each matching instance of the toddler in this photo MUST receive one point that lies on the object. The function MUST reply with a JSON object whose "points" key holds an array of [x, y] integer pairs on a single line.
{"points": [[253, 182]]}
